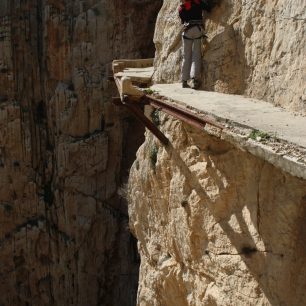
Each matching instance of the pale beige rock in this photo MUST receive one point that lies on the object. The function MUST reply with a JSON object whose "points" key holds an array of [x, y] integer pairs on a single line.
{"points": [[256, 48], [216, 225]]}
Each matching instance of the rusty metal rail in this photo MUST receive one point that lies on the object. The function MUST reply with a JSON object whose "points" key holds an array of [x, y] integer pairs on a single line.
{"points": [[198, 121], [191, 118]]}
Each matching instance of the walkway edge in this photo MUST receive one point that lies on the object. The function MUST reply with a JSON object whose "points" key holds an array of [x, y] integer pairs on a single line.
{"points": [[285, 163]]}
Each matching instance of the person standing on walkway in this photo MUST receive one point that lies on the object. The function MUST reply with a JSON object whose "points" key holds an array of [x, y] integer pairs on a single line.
{"points": [[190, 12]]}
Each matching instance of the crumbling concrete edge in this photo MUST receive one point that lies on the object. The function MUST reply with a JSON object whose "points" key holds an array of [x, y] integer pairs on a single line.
{"points": [[283, 162]]}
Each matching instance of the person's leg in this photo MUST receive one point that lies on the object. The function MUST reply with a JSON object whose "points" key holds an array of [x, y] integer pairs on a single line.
{"points": [[197, 60], [196, 67], [187, 57]]}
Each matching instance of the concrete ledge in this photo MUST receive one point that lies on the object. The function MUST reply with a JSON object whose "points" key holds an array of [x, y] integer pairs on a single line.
{"points": [[121, 64], [284, 162], [126, 72], [248, 112], [241, 115]]}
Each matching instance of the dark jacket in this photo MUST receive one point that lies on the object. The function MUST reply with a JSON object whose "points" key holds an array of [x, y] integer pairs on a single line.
{"points": [[192, 10]]}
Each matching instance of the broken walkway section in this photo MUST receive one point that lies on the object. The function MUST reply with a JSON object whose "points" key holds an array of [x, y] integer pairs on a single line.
{"points": [[256, 126]]}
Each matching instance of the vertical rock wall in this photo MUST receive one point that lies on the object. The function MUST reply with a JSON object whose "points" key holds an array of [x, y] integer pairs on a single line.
{"points": [[64, 150], [255, 48], [216, 226]]}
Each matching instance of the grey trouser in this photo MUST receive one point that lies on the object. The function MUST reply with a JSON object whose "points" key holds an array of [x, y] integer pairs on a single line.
{"points": [[192, 58]]}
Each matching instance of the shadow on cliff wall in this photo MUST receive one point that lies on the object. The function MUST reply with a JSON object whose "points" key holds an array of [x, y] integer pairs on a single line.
{"points": [[225, 66], [274, 272], [228, 73]]}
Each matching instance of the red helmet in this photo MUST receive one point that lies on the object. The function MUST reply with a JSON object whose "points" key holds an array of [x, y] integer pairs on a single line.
{"points": [[187, 3]]}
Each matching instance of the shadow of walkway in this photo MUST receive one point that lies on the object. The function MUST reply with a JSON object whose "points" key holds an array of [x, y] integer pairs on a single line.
{"points": [[275, 256]]}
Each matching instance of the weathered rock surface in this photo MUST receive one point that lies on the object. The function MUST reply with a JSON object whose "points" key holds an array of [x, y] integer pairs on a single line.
{"points": [[215, 225], [64, 150], [256, 48]]}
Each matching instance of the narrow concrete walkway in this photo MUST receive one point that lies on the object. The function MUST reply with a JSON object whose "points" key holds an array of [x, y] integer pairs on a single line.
{"points": [[255, 114], [238, 114]]}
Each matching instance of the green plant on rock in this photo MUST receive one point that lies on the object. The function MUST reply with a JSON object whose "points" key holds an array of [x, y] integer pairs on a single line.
{"points": [[149, 91], [259, 135], [155, 117], [153, 156]]}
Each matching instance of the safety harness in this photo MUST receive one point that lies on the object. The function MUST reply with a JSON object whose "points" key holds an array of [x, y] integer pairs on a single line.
{"points": [[194, 23]]}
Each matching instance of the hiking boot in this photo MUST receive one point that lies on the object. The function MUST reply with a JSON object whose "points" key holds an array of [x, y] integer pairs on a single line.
{"points": [[196, 83], [185, 84]]}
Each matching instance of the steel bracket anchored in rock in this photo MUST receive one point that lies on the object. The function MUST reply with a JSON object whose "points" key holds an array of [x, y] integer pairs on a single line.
{"points": [[139, 72], [138, 113], [136, 110]]}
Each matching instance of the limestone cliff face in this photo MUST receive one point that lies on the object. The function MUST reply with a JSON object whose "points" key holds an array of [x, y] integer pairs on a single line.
{"points": [[63, 233], [216, 225], [255, 48]]}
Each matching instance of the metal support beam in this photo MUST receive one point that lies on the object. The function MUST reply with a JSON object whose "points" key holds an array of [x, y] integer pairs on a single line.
{"points": [[198, 121], [133, 99], [135, 110], [182, 114]]}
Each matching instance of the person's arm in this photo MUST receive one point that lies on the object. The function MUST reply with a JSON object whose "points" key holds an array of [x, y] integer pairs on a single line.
{"points": [[182, 13]]}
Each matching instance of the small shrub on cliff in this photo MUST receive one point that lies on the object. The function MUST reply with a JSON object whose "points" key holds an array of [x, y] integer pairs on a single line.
{"points": [[149, 91], [155, 117], [259, 136], [153, 156]]}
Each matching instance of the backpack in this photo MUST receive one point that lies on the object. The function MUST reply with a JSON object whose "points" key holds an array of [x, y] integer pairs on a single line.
{"points": [[187, 5]]}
